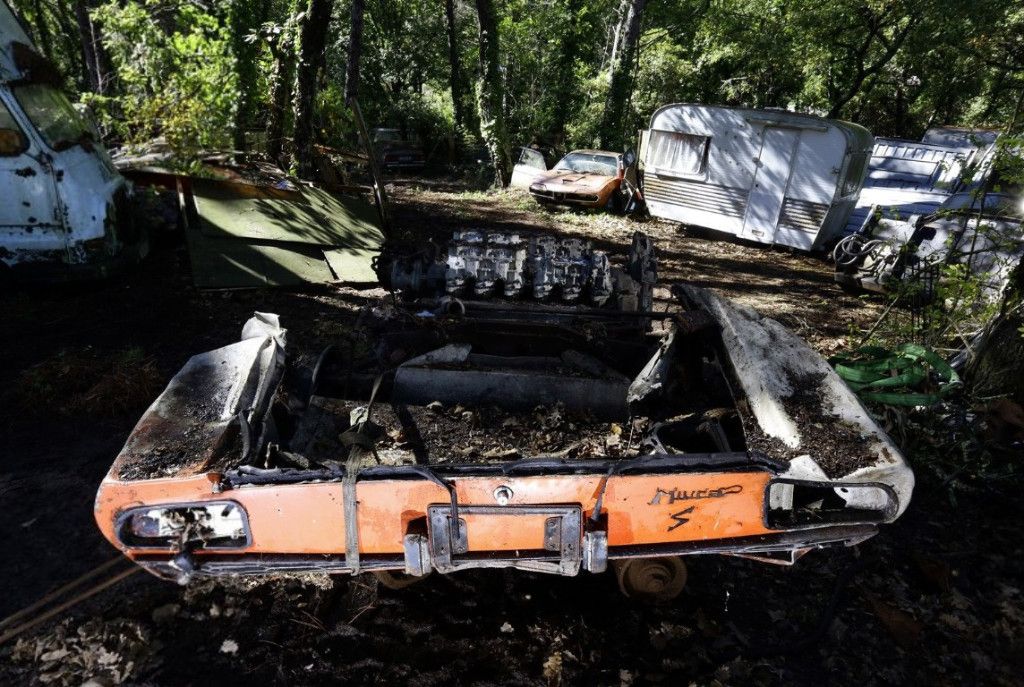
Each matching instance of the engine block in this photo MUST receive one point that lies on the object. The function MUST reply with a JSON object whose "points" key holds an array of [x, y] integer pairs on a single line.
{"points": [[483, 264]]}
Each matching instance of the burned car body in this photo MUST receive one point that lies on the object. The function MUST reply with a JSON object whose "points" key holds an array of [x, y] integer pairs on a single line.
{"points": [[583, 178], [522, 405]]}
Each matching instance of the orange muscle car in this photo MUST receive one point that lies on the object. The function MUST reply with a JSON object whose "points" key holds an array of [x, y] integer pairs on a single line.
{"points": [[583, 178]]}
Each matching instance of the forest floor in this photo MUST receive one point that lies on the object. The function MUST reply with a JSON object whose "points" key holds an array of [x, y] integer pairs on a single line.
{"points": [[935, 598]]}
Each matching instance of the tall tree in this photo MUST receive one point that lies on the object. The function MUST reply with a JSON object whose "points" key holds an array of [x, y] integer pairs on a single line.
{"points": [[620, 78], [312, 42], [491, 94], [457, 78], [885, 32], [94, 57], [281, 41], [565, 87], [355, 51], [245, 16]]}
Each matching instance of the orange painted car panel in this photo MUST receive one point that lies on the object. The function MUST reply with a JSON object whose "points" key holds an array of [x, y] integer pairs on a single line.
{"points": [[309, 518]]}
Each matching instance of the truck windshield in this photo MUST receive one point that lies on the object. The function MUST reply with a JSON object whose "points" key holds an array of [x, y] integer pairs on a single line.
{"points": [[53, 116], [588, 163]]}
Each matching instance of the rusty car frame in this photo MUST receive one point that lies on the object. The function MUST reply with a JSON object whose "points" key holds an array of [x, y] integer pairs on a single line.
{"points": [[522, 403]]}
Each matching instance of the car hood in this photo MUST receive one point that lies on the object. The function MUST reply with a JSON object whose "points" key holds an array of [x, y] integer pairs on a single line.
{"points": [[564, 180]]}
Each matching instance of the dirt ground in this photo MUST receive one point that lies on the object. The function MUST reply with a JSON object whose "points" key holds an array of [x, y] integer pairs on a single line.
{"points": [[935, 598]]}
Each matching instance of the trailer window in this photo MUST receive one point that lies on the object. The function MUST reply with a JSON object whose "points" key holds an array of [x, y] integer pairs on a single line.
{"points": [[12, 141], [60, 125], [678, 153], [854, 174]]}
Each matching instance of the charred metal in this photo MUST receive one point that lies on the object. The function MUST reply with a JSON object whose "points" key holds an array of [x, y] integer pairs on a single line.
{"points": [[519, 404]]}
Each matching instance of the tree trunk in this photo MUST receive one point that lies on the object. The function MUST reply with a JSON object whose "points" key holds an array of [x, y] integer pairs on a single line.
{"points": [[355, 51], [282, 76], [246, 16], [621, 79], [491, 95], [312, 41], [85, 33], [997, 368], [1017, 110], [620, 18], [565, 86], [460, 89], [866, 71]]}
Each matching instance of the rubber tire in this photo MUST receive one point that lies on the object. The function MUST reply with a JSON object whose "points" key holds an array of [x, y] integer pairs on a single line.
{"points": [[614, 203]]}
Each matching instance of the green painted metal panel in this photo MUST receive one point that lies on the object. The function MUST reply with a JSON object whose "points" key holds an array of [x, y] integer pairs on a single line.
{"points": [[251, 236]]}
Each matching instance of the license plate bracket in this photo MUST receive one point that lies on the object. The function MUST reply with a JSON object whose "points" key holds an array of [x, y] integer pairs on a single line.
{"points": [[561, 552]]}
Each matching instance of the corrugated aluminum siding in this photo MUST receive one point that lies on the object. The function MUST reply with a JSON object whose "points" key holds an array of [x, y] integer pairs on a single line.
{"points": [[911, 165], [696, 195], [802, 215]]}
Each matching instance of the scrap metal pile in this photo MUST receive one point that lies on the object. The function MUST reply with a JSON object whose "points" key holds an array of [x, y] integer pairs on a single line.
{"points": [[930, 206]]}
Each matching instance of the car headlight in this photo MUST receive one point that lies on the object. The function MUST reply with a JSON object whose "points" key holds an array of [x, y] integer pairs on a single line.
{"points": [[212, 525], [538, 188]]}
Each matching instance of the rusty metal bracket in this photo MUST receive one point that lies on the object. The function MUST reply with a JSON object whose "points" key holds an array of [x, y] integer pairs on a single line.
{"points": [[448, 539], [595, 551], [417, 555]]}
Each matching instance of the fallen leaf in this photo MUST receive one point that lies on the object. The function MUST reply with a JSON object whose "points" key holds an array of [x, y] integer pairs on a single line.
{"points": [[903, 627]]}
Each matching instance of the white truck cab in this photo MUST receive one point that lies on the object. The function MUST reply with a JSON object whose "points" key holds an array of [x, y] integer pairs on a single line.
{"points": [[64, 209]]}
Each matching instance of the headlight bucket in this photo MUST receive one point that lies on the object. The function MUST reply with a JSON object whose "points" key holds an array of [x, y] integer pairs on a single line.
{"points": [[804, 504], [206, 525]]}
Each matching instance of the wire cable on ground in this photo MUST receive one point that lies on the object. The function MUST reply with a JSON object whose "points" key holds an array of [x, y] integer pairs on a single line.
{"points": [[56, 594]]}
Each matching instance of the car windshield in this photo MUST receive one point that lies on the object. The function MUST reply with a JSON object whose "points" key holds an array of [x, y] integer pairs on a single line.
{"points": [[387, 135], [589, 163], [60, 125]]}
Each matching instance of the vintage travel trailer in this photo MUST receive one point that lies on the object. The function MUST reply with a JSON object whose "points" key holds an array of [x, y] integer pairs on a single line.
{"points": [[769, 176], [64, 209]]}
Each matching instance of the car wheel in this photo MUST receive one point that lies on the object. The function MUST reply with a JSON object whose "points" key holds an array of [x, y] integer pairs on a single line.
{"points": [[615, 202]]}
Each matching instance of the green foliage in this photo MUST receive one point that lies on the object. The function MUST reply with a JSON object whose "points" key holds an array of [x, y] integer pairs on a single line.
{"points": [[186, 69], [177, 76], [404, 76], [48, 25]]}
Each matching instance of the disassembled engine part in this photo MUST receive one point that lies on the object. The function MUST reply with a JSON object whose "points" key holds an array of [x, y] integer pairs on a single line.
{"points": [[483, 264]]}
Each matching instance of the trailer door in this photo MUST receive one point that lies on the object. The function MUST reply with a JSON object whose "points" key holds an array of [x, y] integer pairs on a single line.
{"points": [[771, 178]]}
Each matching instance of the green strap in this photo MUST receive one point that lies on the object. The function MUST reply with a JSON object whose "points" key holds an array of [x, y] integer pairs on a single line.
{"points": [[890, 377]]}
